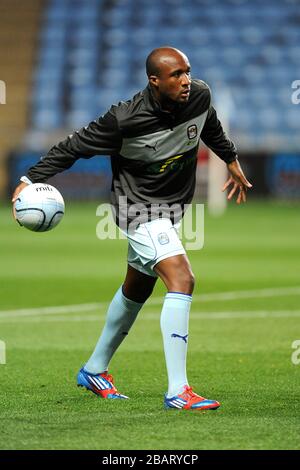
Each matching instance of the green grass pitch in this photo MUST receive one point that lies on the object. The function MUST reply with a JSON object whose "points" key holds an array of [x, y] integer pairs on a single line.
{"points": [[240, 347]]}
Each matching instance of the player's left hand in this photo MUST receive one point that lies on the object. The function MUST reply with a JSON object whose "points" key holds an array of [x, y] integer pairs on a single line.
{"points": [[239, 182]]}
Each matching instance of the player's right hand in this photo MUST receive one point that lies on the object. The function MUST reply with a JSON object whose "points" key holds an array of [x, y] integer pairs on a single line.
{"points": [[15, 196]]}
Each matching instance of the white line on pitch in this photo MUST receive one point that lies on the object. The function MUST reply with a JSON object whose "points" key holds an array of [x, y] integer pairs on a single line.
{"points": [[24, 312], [248, 294], [156, 315], [213, 297]]}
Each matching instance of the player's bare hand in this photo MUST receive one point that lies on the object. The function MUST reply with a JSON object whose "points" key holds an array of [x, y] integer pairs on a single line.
{"points": [[237, 182], [15, 195]]}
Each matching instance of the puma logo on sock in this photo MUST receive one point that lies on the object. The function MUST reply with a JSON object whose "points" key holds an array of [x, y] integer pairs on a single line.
{"points": [[175, 335]]}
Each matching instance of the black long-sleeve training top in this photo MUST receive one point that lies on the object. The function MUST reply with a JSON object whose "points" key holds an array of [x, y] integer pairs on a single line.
{"points": [[153, 152]]}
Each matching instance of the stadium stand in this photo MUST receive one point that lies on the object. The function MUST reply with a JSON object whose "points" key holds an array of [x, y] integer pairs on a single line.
{"points": [[92, 54], [67, 61], [18, 33]]}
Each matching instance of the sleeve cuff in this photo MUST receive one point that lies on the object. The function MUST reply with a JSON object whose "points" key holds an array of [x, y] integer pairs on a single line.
{"points": [[232, 159], [26, 180]]}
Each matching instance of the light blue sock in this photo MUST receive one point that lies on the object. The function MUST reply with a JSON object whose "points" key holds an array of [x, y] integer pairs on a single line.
{"points": [[174, 322], [121, 315]]}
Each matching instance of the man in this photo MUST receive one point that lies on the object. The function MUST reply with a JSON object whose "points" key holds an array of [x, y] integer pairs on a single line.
{"points": [[153, 141]]}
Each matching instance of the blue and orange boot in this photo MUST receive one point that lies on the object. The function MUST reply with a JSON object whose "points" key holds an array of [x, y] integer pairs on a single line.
{"points": [[100, 384], [188, 400]]}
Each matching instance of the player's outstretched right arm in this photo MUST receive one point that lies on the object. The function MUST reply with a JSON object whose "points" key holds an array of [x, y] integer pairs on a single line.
{"points": [[100, 137]]}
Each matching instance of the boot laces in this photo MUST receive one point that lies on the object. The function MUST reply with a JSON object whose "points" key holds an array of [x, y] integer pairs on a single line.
{"points": [[189, 395], [108, 377]]}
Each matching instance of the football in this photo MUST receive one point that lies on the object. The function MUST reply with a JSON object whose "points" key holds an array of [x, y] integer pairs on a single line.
{"points": [[39, 207]]}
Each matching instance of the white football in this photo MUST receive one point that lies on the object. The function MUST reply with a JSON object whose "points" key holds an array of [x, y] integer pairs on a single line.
{"points": [[39, 207]]}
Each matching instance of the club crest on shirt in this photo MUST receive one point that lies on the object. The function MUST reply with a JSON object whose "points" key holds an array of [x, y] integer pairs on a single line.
{"points": [[163, 238], [192, 131]]}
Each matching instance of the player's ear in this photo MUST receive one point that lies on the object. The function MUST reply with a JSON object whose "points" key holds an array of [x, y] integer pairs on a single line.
{"points": [[153, 80]]}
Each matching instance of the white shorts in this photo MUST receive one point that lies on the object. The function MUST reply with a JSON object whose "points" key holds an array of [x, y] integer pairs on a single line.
{"points": [[152, 242]]}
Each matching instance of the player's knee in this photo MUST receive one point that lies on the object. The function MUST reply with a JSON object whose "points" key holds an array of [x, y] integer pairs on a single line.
{"points": [[192, 281], [177, 274], [184, 282], [138, 293], [189, 282], [146, 292]]}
